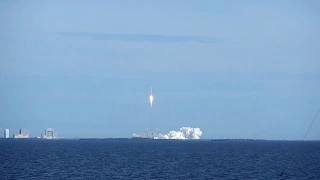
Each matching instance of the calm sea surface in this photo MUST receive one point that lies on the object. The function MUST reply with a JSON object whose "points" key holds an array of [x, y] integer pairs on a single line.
{"points": [[157, 159]]}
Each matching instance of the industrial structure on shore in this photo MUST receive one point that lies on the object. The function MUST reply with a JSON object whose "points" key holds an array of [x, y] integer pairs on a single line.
{"points": [[23, 133], [49, 133], [6, 133]]}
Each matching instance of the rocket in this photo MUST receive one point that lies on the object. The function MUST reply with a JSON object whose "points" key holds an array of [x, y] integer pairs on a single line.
{"points": [[151, 98]]}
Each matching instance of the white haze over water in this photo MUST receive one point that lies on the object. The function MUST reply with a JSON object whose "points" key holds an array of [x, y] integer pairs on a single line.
{"points": [[183, 133]]}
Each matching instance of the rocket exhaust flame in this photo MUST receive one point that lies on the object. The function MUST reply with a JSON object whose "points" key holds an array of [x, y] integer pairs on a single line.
{"points": [[151, 98], [182, 133]]}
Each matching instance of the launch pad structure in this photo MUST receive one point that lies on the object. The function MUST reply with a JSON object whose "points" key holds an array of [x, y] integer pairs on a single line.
{"points": [[150, 131]]}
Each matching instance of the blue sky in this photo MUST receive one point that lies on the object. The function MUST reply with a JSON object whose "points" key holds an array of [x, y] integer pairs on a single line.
{"points": [[235, 69]]}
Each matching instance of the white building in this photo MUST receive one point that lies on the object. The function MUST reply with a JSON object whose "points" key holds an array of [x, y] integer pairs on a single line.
{"points": [[49, 134], [20, 136], [23, 133], [6, 133]]}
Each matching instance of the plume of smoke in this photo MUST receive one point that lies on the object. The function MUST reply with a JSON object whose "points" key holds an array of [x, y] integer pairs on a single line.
{"points": [[183, 133]]}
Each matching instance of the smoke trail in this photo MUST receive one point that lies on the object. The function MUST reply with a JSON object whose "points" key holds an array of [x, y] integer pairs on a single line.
{"points": [[183, 133]]}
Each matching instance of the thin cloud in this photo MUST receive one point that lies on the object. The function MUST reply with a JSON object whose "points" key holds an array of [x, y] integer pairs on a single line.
{"points": [[152, 38]]}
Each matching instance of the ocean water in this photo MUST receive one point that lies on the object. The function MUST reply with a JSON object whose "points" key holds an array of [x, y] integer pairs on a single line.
{"points": [[157, 159]]}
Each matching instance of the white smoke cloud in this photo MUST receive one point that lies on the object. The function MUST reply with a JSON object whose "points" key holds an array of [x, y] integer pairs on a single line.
{"points": [[183, 133]]}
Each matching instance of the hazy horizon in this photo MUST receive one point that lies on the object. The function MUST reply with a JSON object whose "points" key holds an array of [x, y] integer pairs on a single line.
{"points": [[236, 69]]}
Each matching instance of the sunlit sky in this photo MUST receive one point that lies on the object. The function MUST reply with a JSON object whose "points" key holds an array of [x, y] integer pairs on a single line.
{"points": [[235, 69]]}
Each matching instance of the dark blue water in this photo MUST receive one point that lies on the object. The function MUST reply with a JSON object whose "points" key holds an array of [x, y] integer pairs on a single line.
{"points": [[147, 159]]}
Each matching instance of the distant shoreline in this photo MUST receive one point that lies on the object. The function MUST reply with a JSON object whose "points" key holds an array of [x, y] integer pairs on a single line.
{"points": [[213, 140]]}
